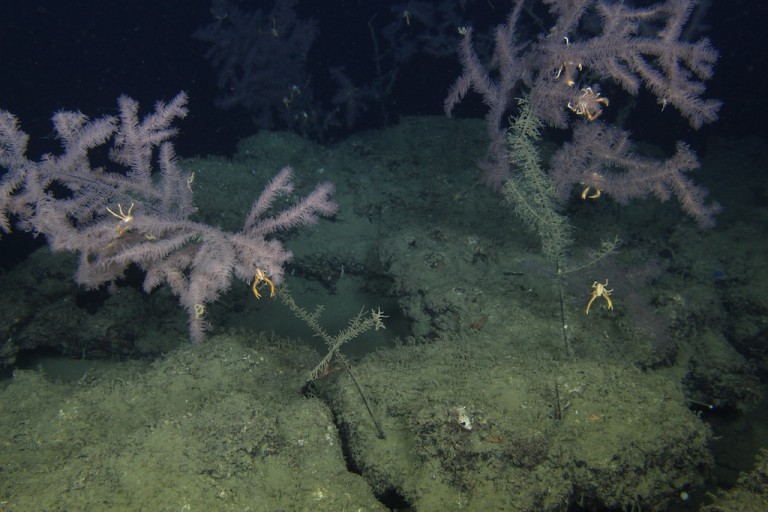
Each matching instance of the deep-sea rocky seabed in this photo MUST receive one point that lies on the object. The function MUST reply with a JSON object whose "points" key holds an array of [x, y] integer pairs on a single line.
{"points": [[484, 403]]}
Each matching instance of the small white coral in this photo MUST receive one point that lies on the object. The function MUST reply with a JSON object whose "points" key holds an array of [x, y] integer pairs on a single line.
{"points": [[460, 416]]}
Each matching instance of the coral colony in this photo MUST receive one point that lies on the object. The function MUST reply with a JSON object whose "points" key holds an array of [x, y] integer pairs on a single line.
{"points": [[589, 46], [137, 211]]}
